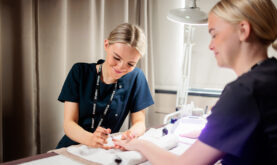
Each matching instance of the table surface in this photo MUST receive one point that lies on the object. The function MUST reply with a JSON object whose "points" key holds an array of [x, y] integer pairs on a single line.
{"points": [[47, 157], [31, 158]]}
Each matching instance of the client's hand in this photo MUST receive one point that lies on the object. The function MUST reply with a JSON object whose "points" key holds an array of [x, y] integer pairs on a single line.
{"points": [[128, 144], [99, 138], [192, 134], [126, 136]]}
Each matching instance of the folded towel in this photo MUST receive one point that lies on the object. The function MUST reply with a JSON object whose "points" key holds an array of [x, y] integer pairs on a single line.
{"points": [[109, 157]]}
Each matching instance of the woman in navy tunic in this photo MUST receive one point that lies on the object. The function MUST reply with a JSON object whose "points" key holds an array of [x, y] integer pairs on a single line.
{"points": [[97, 97], [242, 128]]}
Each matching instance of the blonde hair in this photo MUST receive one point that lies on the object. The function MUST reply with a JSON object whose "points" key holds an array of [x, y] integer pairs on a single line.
{"points": [[261, 14], [129, 34]]}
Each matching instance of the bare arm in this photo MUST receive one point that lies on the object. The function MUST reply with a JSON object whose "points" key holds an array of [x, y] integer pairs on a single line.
{"points": [[198, 154], [77, 133], [138, 125]]}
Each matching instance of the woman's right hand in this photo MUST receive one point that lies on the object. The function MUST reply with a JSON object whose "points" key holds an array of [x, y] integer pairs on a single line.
{"points": [[99, 137], [128, 144]]}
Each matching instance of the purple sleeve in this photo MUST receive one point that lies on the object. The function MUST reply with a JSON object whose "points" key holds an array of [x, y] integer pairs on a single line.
{"points": [[233, 120]]}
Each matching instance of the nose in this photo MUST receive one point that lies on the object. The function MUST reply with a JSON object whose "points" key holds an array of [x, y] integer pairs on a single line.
{"points": [[121, 65], [211, 45]]}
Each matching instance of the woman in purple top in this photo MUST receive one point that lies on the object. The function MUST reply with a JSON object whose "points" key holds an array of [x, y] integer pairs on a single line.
{"points": [[242, 128]]}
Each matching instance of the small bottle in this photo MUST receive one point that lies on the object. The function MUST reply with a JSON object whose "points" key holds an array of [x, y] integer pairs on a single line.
{"points": [[173, 120], [117, 160], [165, 131]]}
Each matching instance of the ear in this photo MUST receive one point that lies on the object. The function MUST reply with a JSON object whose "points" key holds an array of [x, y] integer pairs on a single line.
{"points": [[244, 30], [106, 44]]}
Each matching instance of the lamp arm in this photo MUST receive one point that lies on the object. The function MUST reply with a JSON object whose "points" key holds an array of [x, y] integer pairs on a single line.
{"points": [[190, 4]]}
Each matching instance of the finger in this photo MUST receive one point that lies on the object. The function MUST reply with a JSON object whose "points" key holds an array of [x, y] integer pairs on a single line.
{"points": [[124, 135], [118, 143], [123, 149], [129, 135], [100, 129], [107, 131], [118, 147], [97, 145], [103, 135], [100, 145], [134, 136], [103, 132], [106, 147], [101, 140]]}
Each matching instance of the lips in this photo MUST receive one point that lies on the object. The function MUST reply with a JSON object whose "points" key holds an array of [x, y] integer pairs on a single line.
{"points": [[117, 71]]}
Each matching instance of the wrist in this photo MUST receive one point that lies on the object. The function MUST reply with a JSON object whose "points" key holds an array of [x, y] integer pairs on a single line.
{"points": [[139, 144], [88, 138], [138, 130]]}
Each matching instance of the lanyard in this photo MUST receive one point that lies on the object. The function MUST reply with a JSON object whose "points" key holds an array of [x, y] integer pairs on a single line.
{"points": [[95, 100]]}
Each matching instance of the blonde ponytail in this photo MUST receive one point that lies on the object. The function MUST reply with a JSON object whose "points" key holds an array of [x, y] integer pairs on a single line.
{"points": [[274, 45]]}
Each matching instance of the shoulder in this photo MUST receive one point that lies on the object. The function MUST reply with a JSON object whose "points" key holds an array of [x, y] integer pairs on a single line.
{"points": [[261, 78], [236, 98], [137, 73], [236, 90], [83, 67]]}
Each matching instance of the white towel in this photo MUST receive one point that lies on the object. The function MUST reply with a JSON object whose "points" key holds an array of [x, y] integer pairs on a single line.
{"points": [[108, 157]]}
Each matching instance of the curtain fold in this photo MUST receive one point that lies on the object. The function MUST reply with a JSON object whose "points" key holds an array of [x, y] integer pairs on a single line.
{"points": [[39, 43], [18, 79], [140, 14], [53, 55], [1, 97]]}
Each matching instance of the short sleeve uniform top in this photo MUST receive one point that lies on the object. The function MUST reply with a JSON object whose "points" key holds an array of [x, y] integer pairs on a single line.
{"points": [[243, 123], [132, 95]]}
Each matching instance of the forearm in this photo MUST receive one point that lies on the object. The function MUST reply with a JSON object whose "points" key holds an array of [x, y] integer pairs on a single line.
{"points": [[138, 128], [157, 155], [77, 133]]}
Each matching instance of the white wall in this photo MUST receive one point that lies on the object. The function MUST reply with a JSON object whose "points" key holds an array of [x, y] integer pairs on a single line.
{"points": [[167, 44], [167, 47]]}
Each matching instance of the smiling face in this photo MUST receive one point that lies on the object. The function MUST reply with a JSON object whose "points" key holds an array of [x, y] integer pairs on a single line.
{"points": [[121, 59], [225, 42]]}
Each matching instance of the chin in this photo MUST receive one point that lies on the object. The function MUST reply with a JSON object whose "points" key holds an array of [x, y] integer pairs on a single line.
{"points": [[117, 77], [218, 63]]}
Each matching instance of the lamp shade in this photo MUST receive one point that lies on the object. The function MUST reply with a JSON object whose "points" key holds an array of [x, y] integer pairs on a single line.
{"points": [[191, 16]]}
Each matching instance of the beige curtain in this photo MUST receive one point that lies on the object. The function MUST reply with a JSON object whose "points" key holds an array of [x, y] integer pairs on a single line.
{"points": [[40, 41], [1, 125]]}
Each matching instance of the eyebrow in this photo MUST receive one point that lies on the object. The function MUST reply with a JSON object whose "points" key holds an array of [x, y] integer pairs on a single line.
{"points": [[121, 58], [211, 29]]}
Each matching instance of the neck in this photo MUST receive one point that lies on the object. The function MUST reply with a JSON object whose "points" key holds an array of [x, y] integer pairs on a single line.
{"points": [[105, 76], [249, 55]]}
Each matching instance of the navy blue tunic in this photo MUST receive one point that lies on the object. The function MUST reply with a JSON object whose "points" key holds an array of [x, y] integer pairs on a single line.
{"points": [[243, 123], [132, 95]]}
